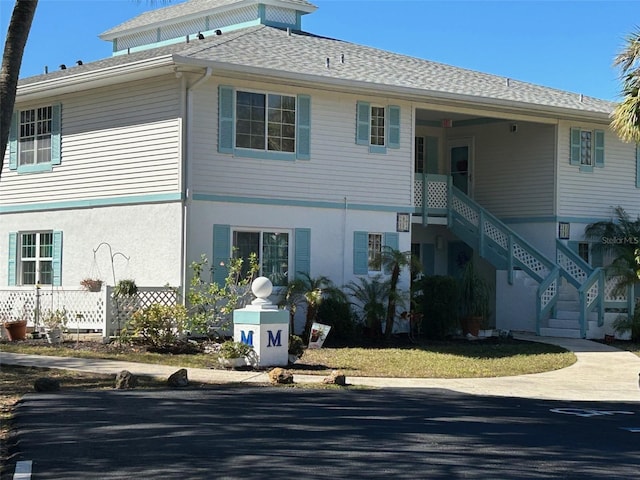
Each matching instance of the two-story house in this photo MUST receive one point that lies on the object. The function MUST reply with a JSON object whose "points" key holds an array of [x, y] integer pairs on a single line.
{"points": [[222, 124]]}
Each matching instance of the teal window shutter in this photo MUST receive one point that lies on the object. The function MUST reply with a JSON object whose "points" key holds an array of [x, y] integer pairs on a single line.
{"points": [[302, 251], [431, 154], [393, 135], [12, 260], [363, 123], [637, 165], [598, 148], [574, 159], [56, 130], [13, 142], [360, 253], [303, 135], [221, 253], [56, 261], [225, 119]]}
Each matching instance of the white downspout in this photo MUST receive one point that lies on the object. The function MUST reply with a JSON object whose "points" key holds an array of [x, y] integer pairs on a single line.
{"points": [[187, 163]]}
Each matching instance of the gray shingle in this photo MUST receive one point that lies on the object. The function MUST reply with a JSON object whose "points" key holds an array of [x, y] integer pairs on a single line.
{"points": [[273, 50], [189, 8]]}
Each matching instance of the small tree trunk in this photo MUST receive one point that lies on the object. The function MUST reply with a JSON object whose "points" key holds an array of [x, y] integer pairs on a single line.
{"points": [[391, 305]]}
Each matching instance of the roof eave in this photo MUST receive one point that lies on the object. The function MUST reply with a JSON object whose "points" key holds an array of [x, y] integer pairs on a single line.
{"points": [[410, 93]]}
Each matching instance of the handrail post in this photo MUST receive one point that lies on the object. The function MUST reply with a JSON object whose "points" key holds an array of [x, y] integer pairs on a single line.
{"points": [[510, 261], [425, 200]]}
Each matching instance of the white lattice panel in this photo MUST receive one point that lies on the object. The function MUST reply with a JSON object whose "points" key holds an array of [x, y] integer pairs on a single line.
{"points": [[437, 192], [530, 260], [611, 291], [183, 29], [137, 39], [592, 293], [418, 193], [571, 267], [496, 234], [280, 15], [466, 211], [233, 17], [549, 294]]}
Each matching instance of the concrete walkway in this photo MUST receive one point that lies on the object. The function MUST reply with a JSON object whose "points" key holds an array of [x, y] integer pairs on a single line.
{"points": [[602, 373]]}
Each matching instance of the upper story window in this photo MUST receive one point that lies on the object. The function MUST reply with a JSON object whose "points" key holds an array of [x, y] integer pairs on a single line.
{"points": [[265, 122], [587, 149], [264, 125], [377, 126], [34, 139]]}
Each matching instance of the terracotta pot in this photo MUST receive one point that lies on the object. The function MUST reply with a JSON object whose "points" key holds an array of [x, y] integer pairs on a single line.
{"points": [[471, 325], [16, 330]]}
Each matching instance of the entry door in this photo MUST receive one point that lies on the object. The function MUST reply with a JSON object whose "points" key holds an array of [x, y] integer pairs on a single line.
{"points": [[460, 154]]}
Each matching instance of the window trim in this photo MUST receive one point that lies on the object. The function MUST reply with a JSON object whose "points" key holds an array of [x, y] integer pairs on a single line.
{"points": [[597, 148], [364, 126], [227, 126], [14, 141], [15, 269], [262, 231]]}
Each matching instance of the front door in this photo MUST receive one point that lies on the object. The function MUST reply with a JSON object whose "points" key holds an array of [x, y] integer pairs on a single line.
{"points": [[460, 164]]}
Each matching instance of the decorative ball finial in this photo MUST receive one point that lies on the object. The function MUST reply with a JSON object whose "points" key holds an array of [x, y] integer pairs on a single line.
{"points": [[261, 288]]}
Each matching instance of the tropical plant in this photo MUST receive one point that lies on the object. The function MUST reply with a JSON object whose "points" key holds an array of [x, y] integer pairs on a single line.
{"points": [[619, 239], [232, 349], [436, 301], [631, 324], [125, 288], [394, 261], [370, 295], [16, 40], [159, 325], [474, 294], [338, 314], [626, 115], [311, 292], [212, 304]]}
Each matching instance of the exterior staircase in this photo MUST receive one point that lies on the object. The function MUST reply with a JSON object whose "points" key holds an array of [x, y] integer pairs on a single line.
{"points": [[569, 291]]}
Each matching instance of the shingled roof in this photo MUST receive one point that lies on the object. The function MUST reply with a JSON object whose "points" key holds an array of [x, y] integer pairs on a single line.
{"points": [[280, 53], [189, 9]]}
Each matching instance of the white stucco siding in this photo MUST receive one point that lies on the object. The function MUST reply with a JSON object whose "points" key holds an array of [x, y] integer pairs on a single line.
{"points": [[150, 235], [115, 142], [513, 173], [593, 195], [331, 231], [338, 168]]}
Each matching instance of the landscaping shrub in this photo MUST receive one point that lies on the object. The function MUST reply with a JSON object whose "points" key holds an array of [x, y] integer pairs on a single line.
{"points": [[338, 314], [438, 304], [159, 325]]}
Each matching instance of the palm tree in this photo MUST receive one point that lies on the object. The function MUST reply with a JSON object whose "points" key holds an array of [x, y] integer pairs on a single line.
{"points": [[309, 291], [17, 34], [618, 238], [394, 261], [626, 115], [369, 296]]}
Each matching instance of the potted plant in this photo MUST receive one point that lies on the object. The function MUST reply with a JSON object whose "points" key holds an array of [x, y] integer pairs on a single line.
{"points": [[296, 348], [125, 288], [16, 329], [475, 299], [91, 284], [54, 322], [234, 354]]}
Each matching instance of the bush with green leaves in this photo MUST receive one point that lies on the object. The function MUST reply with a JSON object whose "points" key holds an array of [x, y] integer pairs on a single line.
{"points": [[437, 299], [338, 314], [159, 325], [212, 304], [232, 349], [625, 324]]}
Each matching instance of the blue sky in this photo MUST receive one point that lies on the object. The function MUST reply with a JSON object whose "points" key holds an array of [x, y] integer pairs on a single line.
{"points": [[565, 44]]}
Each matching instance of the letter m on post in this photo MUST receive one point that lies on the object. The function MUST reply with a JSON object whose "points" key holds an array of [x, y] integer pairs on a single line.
{"points": [[274, 341], [246, 338]]}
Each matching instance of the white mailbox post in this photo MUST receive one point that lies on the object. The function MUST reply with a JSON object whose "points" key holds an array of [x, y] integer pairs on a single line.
{"points": [[263, 326]]}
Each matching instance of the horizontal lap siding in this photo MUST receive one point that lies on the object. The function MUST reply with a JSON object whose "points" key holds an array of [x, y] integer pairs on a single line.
{"points": [[594, 194], [115, 142], [338, 167], [514, 172]]}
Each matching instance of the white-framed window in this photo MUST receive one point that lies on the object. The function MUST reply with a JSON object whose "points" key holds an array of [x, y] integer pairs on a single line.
{"points": [[34, 139], [587, 148], [378, 135], [36, 258], [272, 248], [265, 121], [375, 252], [583, 251]]}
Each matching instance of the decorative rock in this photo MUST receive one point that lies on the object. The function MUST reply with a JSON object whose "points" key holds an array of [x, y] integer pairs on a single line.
{"points": [[178, 379], [280, 376], [45, 384], [125, 380], [336, 378]]}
